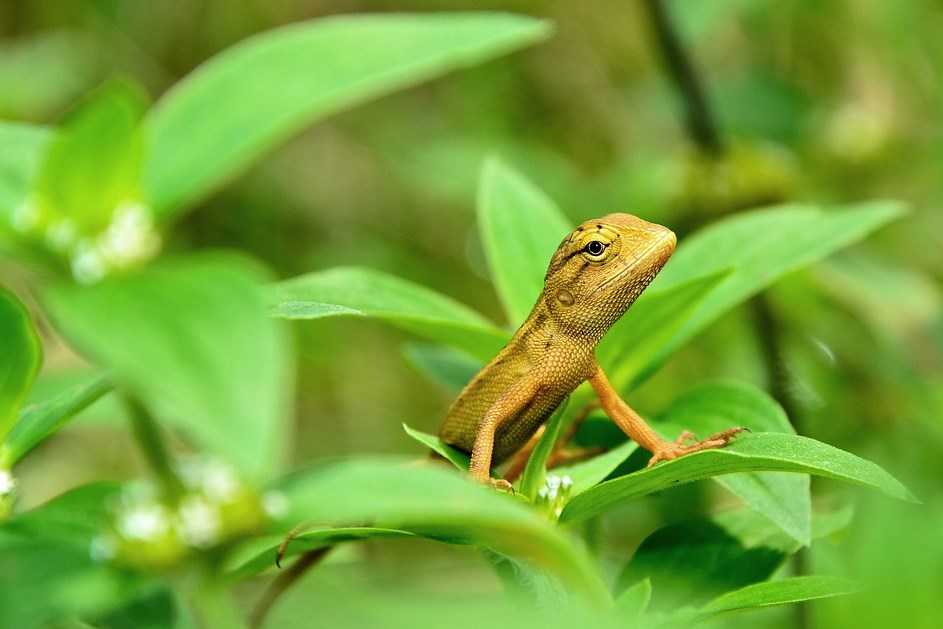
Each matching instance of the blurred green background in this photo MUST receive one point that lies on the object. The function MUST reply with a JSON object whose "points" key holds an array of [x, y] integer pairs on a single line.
{"points": [[816, 101]]}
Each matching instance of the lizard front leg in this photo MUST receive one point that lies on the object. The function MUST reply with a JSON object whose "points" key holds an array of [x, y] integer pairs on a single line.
{"points": [[504, 408], [632, 424]]}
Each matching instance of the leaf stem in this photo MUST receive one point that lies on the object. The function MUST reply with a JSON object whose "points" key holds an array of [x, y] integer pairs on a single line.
{"points": [[147, 434]]}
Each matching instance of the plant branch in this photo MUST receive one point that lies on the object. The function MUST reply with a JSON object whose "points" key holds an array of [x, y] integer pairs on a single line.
{"points": [[282, 583], [147, 434]]}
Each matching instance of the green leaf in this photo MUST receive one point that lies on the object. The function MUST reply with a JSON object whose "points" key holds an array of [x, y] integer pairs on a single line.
{"points": [[23, 147], [535, 472], [259, 554], [20, 357], [764, 452], [520, 229], [367, 293], [250, 98], [442, 505], [450, 368], [94, 161], [39, 421], [760, 247], [458, 458], [192, 338], [630, 349], [707, 409], [633, 602], [691, 562], [782, 592], [753, 529]]}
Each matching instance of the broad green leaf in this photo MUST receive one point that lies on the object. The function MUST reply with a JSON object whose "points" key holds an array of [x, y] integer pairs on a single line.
{"points": [[20, 357], [23, 147], [760, 247], [93, 163], [363, 292], [589, 473], [448, 367], [192, 338], [781, 592], [633, 602], [259, 554], [764, 452], [629, 350], [458, 458], [39, 421], [440, 504], [520, 229], [707, 409], [692, 562], [753, 529], [72, 518], [243, 102], [535, 472]]}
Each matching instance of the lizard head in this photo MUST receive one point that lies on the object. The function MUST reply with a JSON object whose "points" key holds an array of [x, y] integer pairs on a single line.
{"points": [[601, 268]]}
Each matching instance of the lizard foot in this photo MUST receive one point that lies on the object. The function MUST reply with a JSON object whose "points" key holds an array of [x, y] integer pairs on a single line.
{"points": [[681, 446], [501, 485]]}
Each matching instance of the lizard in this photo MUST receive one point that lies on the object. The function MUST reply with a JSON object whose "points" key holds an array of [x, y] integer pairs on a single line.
{"points": [[595, 275]]}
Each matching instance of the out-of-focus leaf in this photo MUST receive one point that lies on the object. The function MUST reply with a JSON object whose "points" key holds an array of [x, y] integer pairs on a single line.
{"points": [[20, 357], [629, 350], [39, 421], [764, 452], [93, 163], [458, 458], [633, 602], [278, 82], [520, 228], [450, 368], [73, 518], [707, 409], [441, 505], [753, 529], [535, 472], [23, 147], [192, 338], [692, 562], [781, 592], [368, 293], [259, 554], [760, 247]]}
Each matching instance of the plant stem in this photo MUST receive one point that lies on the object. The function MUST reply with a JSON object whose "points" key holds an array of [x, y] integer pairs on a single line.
{"points": [[700, 122], [147, 434], [282, 583]]}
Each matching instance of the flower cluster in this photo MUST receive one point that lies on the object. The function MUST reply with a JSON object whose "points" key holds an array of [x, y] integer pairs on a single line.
{"points": [[151, 532], [554, 494], [129, 238]]}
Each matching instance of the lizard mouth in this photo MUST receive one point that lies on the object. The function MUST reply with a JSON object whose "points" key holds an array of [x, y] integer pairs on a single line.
{"points": [[663, 247]]}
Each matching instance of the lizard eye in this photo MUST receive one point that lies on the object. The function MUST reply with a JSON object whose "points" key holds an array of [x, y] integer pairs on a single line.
{"points": [[595, 248]]}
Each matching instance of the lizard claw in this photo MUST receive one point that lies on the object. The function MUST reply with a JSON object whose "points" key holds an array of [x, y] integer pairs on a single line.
{"points": [[677, 449]]}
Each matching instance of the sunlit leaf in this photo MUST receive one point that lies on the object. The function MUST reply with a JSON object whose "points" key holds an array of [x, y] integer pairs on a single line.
{"points": [[593, 471], [760, 247], [520, 229], [439, 504], [763, 452], [367, 293], [633, 602], [20, 357], [781, 592], [248, 99], [23, 147], [192, 338], [458, 458], [535, 471]]}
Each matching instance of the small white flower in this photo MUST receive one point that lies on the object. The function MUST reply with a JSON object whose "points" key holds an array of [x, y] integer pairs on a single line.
{"points": [[61, 235], [130, 235], [275, 504], [25, 216], [144, 522], [102, 548], [553, 481], [199, 522], [7, 483], [88, 266], [542, 492], [219, 481], [566, 482]]}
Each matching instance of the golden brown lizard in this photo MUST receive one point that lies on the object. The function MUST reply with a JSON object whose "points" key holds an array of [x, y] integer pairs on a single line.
{"points": [[597, 272]]}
